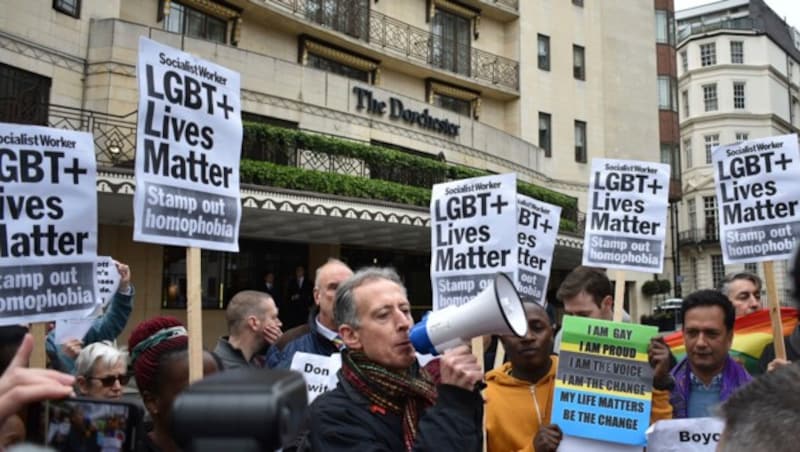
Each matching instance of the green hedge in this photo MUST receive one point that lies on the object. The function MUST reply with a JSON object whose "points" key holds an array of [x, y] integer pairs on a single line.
{"points": [[401, 177]]}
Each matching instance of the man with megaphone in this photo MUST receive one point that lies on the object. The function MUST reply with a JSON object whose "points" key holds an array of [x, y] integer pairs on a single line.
{"points": [[384, 400]]}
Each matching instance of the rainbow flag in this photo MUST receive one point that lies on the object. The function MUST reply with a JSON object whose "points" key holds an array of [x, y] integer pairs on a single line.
{"points": [[751, 334]]}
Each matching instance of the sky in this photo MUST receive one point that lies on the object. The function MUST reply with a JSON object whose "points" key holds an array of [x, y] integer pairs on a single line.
{"points": [[787, 9]]}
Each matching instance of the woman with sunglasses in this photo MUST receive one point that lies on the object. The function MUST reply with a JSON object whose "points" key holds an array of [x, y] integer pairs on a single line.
{"points": [[101, 371]]}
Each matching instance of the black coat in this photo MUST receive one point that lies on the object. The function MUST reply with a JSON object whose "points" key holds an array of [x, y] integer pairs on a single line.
{"points": [[342, 420]]}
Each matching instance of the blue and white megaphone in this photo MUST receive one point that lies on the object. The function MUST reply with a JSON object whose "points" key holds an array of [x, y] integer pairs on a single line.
{"points": [[496, 310]]}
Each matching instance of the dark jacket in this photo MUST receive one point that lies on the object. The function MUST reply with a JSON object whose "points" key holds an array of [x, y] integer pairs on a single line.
{"points": [[305, 338], [344, 420], [791, 344], [232, 358]]}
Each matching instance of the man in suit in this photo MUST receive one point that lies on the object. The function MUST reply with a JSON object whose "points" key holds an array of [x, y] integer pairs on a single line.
{"points": [[299, 299]]}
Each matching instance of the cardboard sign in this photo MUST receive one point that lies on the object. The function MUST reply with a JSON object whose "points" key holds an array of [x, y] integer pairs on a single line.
{"points": [[700, 434], [318, 371], [471, 222], [604, 382], [48, 224], [758, 197], [538, 224], [627, 218], [188, 143]]}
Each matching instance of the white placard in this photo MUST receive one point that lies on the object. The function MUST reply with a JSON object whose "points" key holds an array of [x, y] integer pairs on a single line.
{"points": [[577, 444], [472, 221], [627, 217], [758, 192], [48, 224], [538, 224], [67, 330], [188, 144], [685, 435], [107, 279], [318, 371]]}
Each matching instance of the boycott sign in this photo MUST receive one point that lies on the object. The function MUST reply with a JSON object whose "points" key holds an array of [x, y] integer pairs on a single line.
{"points": [[604, 383], [536, 236], [471, 220], [48, 224], [188, 142], [318, 371], [757, 198], [627, 215], [700, 434], [107, 279]]}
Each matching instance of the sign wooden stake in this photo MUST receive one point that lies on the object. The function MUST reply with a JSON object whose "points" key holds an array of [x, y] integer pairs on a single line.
{"points": [[39, 353], [619, 295], [774, 311], [194, 313]]}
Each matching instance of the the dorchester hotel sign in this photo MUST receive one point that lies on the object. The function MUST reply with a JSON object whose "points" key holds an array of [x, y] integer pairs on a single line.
{"points": [[366, 100]]}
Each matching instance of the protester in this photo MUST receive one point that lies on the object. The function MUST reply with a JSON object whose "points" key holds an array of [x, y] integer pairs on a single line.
{"points": [[101, 371], [519, 395], [384, 401], [707, 375], [744, 291], [160, 362], [20, 385], [764, 414], [105, 328], [253, 325], [587, 292], [319, 336]]}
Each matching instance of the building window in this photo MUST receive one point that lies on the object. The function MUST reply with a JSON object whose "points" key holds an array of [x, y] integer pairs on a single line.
{"points": [[578, 3], [742, 136], [710, 213], [685, 101], [751, 267], [346, 16], [710, 97], [717, 269], [578, 62], [544, 52], [687, 152], [708, 54], [580, 141], [337, 61], [68, 7], [545, 133], [662, 35], [667, 93], [451, 42], [24, 97], [711, 141], [684, 61], [459, 100], [194, 23], [670, 157], [691, 211], [738, 95], [737, 52], [693, 268]]}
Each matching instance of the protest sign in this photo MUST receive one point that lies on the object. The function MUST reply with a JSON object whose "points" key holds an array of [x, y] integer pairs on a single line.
{"points": [[471, 220], [188, 142], [604, 382], [627, 215], [318, 371], [107, 279], [576, 444], [757, 198], [67, 330], [700, 434], [48, 224], [536, 236]]}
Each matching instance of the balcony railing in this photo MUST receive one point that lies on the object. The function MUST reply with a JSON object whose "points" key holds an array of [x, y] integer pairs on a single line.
{"points": [[357, 20], [742, 23], [698, 236], [513, 4]]}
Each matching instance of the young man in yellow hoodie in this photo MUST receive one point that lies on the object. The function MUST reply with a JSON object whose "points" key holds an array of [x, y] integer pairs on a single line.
{"points": [[519, 395]]}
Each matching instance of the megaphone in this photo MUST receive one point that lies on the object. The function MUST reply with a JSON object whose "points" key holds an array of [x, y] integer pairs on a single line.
{"points": [[496, 310]]}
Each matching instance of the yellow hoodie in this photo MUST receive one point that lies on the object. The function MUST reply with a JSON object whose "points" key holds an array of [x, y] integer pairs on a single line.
{"points": [[515, 408]]}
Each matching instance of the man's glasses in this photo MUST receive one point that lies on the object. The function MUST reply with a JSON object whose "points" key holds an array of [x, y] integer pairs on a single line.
{"points": [[109, 380]]}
